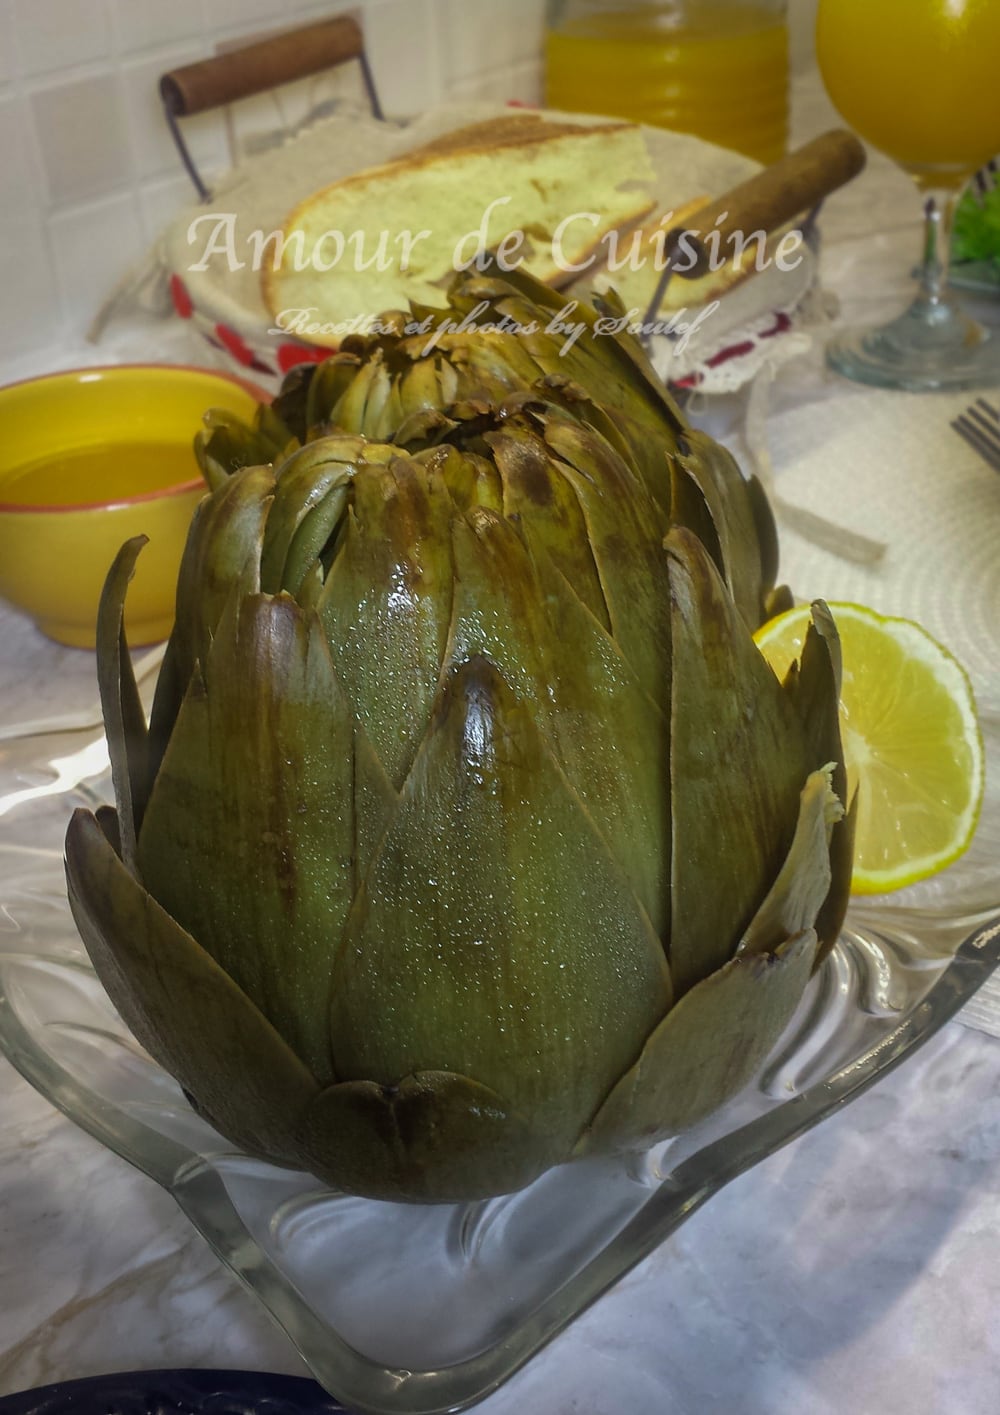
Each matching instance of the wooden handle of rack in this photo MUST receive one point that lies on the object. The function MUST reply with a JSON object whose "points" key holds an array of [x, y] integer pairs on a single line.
{"points": [[263, 65], [768, 200]]}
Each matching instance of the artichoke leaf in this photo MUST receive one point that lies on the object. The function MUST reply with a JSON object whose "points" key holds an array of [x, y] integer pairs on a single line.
{"points": [[121, 706], [292, 403], [370, 382], [226, 445], [424, 428], [328, 385], [379, 400], [436, 1138], [316, 533], [814, 688], [221, 558], [471, 480], [182, 1007], [420, 387], [735, 512], [830, 919], [305, 481], [689, 508], [624, 528], [498, 363], [390, 587], [607, 735], [495, 936], [803, 882], [707, 1048], [535, 490], [738, 761], [249, 839], [767, 537]]}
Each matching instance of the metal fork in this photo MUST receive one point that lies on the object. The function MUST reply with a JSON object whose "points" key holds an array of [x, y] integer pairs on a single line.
{"points": [[980, 426]]}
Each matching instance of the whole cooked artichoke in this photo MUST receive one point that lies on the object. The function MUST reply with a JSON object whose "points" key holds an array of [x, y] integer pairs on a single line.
{"points": [[470, 831]]}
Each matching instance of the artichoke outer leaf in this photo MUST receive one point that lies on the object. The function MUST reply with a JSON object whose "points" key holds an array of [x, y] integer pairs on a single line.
{"points": [[304, 482], [182, 1007], [437, 1137], [292, 402], [625, 529], [709, 1046], [221, 558], [830, 919], [471, 480], [738, 761], [331, 380], [608, 736], [706, 1049], [419, 430], [815, 690], [315, 534], [778, 601], [124, 718], [495, 936], [803, 882], [386, 605], [735, 511], [535, 489], [420, 387], [348, 414], [767, 536], [226, 445], [688, 507], [249, 839]]}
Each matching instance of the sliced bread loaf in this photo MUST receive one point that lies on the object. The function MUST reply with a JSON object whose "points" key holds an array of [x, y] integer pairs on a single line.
{"points": [[544, 192]]}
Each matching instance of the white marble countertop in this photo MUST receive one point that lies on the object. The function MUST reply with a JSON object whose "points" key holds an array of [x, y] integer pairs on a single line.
{"points": [[858, 1270]]}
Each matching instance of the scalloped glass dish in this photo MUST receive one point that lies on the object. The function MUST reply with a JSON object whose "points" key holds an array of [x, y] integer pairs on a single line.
{"points": [[424, 1309]]}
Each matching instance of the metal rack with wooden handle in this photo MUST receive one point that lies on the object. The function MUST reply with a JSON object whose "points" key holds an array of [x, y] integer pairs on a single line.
{"points": [[253, 68]]}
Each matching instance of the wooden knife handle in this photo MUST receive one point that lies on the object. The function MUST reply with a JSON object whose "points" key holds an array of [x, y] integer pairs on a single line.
{"points": [[768, 200], [263, 65]]}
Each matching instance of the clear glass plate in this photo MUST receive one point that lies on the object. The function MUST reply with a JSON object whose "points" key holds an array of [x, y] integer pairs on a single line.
{"points": [[398, 1308]]}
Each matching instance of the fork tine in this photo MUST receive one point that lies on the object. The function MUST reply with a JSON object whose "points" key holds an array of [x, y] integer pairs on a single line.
{"points": [[987, 426], [978, 440], [988, 408]]}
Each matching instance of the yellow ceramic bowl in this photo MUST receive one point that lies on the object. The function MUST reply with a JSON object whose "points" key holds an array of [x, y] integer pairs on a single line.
{"points": [[88, 459]]}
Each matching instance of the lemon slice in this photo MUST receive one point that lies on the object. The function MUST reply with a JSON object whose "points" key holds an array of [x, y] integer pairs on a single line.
{"points": [[911, 741]]}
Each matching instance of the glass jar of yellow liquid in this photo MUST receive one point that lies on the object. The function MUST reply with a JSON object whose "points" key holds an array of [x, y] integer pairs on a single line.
{"points": [[716, 68]]}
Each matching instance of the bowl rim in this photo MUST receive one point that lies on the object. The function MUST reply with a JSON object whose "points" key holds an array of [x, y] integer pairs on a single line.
{"points": [[177, 488]]}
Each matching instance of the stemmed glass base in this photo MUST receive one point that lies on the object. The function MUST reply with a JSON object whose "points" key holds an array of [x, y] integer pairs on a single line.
{"points": [[932, 346]]}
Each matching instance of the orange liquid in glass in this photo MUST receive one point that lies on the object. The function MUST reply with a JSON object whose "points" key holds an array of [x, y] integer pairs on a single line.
{"points": [[723, 77], [918, 79]]}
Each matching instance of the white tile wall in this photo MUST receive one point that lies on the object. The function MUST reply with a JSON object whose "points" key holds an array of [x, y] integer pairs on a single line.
{"points": [[30, 316], [54, 35], [88, 174], [20, 155], [7, 64], [472, 47], [81, 128], [401, 39], [140, 27], [161, 200], [84, 257]]}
